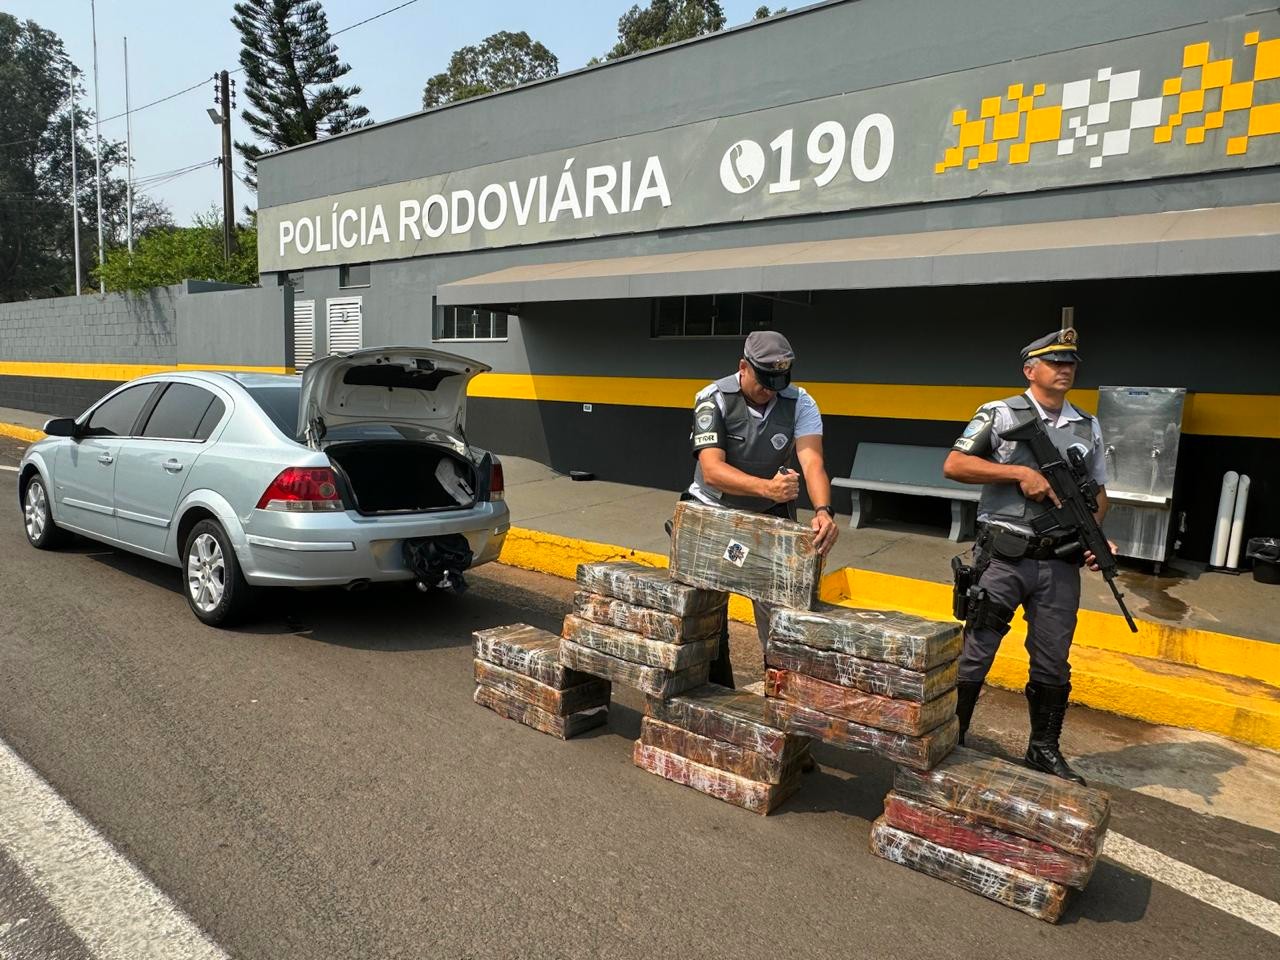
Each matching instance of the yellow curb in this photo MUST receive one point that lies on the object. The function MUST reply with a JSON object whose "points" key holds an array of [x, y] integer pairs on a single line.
{"points": [[1219, 652], [20, 432]]}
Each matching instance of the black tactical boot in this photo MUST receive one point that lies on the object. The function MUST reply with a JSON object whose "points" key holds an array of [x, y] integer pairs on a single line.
{"points": [[966, 699], [1048, 706]]}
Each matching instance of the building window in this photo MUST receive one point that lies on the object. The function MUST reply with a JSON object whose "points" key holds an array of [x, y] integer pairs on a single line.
{"points": [[713, 315], [353, 275], [292, 278], [469, 323]]}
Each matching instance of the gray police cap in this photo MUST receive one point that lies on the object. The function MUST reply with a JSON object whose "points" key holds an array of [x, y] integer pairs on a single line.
{"points": [[769, 350], [1061, 345]]}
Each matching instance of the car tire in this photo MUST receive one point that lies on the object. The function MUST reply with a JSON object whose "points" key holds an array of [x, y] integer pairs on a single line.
{"points": [[214, 587], [37, 517]]}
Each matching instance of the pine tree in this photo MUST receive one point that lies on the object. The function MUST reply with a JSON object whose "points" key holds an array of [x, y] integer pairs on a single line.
{"points": [[291, 67], [663, 22]]}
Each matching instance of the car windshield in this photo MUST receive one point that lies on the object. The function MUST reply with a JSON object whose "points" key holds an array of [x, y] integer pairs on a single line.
{"points": [[280, 403]]}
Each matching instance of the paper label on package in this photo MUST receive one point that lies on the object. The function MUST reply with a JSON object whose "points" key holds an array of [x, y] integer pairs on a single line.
{"points": [[736, 553]]}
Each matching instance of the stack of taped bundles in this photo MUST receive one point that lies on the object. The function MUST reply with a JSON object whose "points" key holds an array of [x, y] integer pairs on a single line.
{"points": [[1017, 836], [865, 679], [719, 742], [519, 676], [636, 626], [765, 558]]}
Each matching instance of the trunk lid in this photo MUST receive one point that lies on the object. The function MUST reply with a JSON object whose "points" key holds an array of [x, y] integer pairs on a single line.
{"points": [[409, 386]]}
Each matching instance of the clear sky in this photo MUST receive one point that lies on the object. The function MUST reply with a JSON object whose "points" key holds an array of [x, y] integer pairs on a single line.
{"points": [[175, 43]]}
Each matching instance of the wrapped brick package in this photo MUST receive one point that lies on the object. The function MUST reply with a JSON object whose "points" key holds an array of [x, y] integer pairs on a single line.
{"points": [[723, 756], [518, 687], [920, 753], [958, 832], [527, 650], [765, 558], [1042, 899], [638, 649], [648, 587], [884, 713], [870, 676], [749, 794], [654, 624], [530, 716], [651, 680], [898, 638], [732, 716], [1031, 804]]}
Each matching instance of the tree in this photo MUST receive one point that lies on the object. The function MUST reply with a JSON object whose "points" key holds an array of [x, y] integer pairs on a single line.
{"points": [[291, 65], [168, 255], [664, 22], [764, 13], [498, 62], [36, 242]]}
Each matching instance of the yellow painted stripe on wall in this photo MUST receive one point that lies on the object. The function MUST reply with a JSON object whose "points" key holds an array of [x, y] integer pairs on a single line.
{"points": [[1213, 414], [116, 371]]}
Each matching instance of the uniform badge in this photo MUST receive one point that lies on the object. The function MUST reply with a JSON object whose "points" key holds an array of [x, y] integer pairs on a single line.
{"points": [[977, 424], [1068, 335], [704, 421], [779, 441]]}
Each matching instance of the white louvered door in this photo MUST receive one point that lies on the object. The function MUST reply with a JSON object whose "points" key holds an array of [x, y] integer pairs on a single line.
{"points": [[304, 333], [344, 324]]}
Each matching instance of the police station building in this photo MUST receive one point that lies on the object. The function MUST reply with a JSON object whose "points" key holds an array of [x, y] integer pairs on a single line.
{"points": [[909, 190]]}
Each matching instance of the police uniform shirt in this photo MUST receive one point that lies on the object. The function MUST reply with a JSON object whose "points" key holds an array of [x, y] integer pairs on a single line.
{"points": [[709, 430], [982, 436]]}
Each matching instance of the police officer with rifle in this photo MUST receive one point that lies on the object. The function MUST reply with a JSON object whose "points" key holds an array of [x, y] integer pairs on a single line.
{"points": [[1043, 474]]}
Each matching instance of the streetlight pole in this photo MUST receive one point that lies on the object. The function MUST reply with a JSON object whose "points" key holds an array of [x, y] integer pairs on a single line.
{"points": [[97, 149], [228, 193], [75, 182], [128, 150]]}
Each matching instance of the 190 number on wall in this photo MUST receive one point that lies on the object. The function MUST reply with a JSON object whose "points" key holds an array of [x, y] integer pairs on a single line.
{"points": [[742, 168]]}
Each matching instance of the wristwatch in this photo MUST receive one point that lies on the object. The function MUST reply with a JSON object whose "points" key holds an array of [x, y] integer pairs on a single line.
{"points": [[827, 507]]}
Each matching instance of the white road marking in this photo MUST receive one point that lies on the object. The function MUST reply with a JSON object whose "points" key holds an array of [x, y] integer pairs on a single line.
{"points": [[10, 469], [1205, 887], [116, 911]]}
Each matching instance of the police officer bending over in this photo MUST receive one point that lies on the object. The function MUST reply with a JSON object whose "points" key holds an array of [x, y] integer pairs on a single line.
{"points": [[1014, 565], [746, 427]]}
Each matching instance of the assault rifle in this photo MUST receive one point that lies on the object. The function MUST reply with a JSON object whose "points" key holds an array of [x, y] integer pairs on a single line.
{"points": [[1077, 493]]}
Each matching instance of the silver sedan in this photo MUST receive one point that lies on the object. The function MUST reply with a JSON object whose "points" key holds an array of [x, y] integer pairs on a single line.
{"points": [[357, 471]]}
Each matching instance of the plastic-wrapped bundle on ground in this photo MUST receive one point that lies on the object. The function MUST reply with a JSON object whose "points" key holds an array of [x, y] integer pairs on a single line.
{"points": [[519, 676], [869, 676], [749, 794], [636, 648], [915, 643], [648, 587], [654, 624], [718, 741], [921, 753], [910, 717], [765, 558], [527, 650], [654, 681], [966, 834], [1013, 798], [1043, 899]]}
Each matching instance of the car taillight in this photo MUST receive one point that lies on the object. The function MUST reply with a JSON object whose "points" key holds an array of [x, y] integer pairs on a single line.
{"points": [[496, 487], [303, 490]]}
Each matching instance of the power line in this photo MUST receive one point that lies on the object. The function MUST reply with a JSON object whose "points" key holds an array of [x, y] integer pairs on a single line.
{"points": [[196, 86]]}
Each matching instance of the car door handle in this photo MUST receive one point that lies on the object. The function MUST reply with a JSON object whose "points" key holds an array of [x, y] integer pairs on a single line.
{"points": [[173, 466], [106, 459]]}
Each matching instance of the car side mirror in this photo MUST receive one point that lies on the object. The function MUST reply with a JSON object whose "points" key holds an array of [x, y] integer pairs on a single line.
{"points": [[61, 427]]}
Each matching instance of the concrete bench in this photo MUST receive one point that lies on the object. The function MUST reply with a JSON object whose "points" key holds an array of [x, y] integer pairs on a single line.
{"points": [[914, 471]]}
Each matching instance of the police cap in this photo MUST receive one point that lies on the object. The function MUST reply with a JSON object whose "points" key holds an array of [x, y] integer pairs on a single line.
{"points": [[1061, 345], [770, 356]]}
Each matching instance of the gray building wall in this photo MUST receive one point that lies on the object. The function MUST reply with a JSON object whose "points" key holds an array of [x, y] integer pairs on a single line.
{"points": [[237, 326], [116, 328]]}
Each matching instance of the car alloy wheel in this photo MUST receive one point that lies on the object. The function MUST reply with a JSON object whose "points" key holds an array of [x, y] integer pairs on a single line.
{"points": [[206, 572], [35, 511]]}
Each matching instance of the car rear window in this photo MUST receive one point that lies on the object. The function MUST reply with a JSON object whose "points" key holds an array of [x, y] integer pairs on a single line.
{"points": [[280, 403]]}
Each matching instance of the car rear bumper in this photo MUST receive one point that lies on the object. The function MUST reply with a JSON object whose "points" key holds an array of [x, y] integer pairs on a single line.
{"points": [[336, 549]]}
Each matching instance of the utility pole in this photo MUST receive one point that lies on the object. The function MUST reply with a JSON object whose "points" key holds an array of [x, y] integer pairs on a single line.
{"points": [[75, 182], [97, 148], [228, 198], [128, 150]]}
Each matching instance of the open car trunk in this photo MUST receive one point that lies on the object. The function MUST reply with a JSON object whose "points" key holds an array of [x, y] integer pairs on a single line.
{"points": [[402, 476]]}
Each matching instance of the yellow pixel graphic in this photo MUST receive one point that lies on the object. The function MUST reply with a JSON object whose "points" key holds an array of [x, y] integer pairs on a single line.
{"points": [[1200, 97]]}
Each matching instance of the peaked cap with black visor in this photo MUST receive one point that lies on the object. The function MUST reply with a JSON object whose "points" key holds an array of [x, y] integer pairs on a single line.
{"points": [[771, 357], [1060, 346]]}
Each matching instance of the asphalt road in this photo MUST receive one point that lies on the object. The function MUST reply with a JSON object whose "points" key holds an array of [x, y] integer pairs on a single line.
{"points": [[320, 784]]}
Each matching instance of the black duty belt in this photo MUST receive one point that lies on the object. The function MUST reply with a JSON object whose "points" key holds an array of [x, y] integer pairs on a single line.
{"points": [[1012, 545]]}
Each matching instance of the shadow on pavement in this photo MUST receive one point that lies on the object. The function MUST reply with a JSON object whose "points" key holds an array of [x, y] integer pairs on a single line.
{"points": [[1114, 895], [1196, 767]]}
